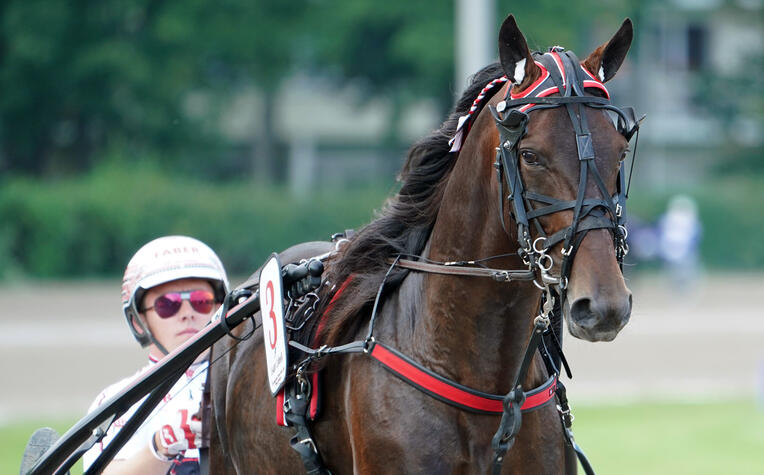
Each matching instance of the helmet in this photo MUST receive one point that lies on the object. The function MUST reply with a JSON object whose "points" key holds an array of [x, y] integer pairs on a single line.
{"points": [[163, 260]]}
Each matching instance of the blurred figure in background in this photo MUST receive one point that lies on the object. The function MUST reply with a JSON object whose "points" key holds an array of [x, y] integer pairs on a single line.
{"points": [[679, 233], [171, 288], [642, 239]]}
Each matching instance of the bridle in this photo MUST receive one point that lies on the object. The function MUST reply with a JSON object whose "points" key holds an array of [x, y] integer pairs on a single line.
{"points": [[561, 74]]}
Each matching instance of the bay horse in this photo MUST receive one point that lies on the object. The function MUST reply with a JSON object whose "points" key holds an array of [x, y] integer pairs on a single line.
{"points": [[526, 172]]}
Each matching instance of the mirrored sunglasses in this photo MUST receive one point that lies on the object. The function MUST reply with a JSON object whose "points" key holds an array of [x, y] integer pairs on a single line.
{"points": [[167, 305]]}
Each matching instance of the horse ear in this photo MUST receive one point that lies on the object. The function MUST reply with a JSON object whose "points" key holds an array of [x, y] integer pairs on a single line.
{"points": [[605, 60], [515, 57]]}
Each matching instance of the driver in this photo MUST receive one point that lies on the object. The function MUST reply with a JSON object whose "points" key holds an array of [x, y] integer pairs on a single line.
{"points": [[171, 288]]}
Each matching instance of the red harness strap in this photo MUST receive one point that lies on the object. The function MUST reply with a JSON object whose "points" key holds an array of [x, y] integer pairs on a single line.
{"points": [[453, 393], [427, 381]]}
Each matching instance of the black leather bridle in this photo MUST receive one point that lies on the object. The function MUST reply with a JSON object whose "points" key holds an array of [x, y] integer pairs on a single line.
{"points": [[569, 79]]}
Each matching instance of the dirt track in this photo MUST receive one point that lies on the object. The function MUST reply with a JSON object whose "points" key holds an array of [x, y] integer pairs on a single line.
{"points": [[60, 344]]}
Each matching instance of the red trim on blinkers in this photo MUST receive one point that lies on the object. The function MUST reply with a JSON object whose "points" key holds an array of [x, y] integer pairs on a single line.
{"points": [[525, 92], [558, 62], [595, 83]]}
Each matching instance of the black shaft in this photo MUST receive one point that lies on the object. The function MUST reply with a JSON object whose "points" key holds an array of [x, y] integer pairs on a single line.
{"points": [[129, 428]]}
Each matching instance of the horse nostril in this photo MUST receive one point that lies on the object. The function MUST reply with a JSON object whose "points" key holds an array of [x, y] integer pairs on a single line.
{"points": [[589, 314], [618, 311], [581, 313]]}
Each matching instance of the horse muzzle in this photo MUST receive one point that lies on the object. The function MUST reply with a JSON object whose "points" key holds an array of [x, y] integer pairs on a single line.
{"points": [[596, 319]]}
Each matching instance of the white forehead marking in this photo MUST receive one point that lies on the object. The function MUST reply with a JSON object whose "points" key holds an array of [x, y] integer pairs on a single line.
{"points": [[519, 71], [602, 74]]}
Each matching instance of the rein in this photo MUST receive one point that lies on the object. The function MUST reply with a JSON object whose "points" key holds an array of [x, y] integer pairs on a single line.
{"points": [[499, 275]]}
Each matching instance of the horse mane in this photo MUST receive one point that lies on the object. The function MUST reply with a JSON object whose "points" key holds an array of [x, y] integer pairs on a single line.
{"points": [[403, 225]]}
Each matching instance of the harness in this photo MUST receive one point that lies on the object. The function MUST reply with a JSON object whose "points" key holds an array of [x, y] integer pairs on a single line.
{"points": [[561, 74], [299, 391]]}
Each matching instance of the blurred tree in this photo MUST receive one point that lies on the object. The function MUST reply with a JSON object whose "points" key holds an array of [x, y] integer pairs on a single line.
{"points": [[77, 76], [84, 77], [398, 49], [250, 43], [403, 49], [80, 77], [396, 45], [577, 26], [736, 100]]}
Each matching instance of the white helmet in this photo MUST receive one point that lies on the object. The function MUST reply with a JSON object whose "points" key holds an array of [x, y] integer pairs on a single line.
{"points": [[163, 260]]}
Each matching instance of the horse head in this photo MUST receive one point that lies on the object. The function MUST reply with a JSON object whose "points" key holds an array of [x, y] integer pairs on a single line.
{"points": [[564, 156]]}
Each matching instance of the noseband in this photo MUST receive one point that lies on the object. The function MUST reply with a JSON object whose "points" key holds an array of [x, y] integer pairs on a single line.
{"points": [[561, 74]]}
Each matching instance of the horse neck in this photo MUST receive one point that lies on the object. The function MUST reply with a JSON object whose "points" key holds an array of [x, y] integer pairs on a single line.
{"points": [[472, 329]]}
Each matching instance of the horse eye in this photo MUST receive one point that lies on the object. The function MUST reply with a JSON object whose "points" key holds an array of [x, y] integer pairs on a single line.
{"points": [[529, 157], [624, 154]]}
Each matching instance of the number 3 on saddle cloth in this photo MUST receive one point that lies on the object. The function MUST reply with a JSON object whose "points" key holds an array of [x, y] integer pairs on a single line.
{"points": [[274, 334]]}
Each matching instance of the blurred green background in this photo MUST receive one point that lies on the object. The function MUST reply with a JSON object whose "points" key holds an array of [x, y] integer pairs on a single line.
{"points": [[256, 124]]}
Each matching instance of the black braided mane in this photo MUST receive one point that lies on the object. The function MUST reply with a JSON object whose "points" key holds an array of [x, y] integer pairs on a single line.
{"points": [[405, 221]]}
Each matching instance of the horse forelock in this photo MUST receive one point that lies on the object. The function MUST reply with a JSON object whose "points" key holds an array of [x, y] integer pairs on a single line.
{"points": [[403, 225]]}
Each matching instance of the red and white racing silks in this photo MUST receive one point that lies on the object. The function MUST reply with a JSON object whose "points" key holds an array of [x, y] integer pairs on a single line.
{"points": [[174, 416], [180, 431]]}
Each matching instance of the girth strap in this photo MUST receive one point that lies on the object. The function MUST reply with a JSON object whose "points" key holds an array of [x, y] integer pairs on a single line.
{"points": [[296, 407]]}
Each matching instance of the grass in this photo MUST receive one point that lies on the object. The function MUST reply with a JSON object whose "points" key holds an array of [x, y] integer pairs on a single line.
{"points": [[14, 437], [672, 438], [644, 438]]}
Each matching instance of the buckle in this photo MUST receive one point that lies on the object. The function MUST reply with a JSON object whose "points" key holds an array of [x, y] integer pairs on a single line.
{"points": [[310, 443], [368, 344], [585, 146]]}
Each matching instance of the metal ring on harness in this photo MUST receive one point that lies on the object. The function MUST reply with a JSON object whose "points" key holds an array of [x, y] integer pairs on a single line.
{"points": [[537, 240], [542, 259]]}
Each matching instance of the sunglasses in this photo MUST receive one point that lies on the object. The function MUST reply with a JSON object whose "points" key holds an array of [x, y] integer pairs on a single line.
{"points": [[169, 304]]}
